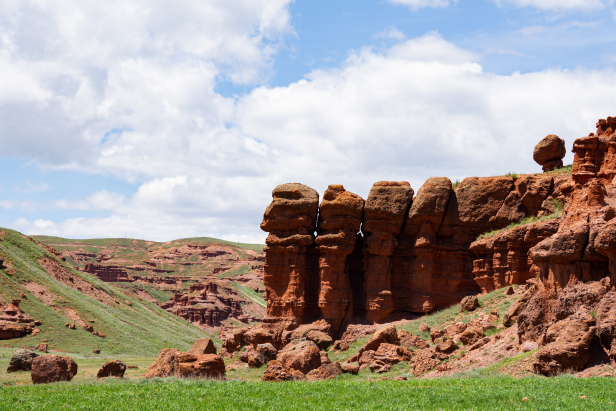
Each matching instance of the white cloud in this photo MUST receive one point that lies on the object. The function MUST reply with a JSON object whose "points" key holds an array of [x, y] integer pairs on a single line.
{"points": [[391, 33], [29, 187], [416, 4], [132, 94], [557, 4]]}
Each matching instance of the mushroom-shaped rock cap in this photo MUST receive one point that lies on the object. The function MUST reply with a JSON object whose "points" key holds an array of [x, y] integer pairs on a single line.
{"points": [[429, 204], [386, 206], [294, 206], [550, 148], [340, 210]]}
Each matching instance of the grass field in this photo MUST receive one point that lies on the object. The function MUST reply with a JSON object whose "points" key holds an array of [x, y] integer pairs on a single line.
{"points": [[535, 393]]}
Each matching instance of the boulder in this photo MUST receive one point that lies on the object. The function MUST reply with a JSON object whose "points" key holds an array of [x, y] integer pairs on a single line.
{"points": [[203, 346], [41, 347], [424, 328], [173, 363], [471, 335], [303, 356], [567, 345], [423, 361], [480, 343], [325, 372], [321, 339], [386, 334], [349, 368], [410, 340], [96, 351], [455, 329], [512, 313], [340, 346], [446, 347], [325, 358], [252, 357], [21, 360], [469, 303], [276, 372], [52, 368], [549, 152], [267, 351], [113, 368], [437, 334], [391, 354]]}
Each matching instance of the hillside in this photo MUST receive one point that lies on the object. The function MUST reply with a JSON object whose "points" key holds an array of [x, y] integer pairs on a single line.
{"points": [[53, 292], [215, 284]]}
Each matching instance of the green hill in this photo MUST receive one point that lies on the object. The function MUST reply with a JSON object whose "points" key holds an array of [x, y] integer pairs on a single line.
{"points": [[57, 294]]}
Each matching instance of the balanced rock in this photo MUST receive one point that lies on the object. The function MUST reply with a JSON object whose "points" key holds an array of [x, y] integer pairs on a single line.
{"points": [[21, 360], [113, 368], [53, 368], [549, 152]]}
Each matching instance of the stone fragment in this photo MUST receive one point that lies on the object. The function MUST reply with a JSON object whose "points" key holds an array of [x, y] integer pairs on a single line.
{"points": [[276, 372], [437, 334], [203, 346], [267, 351], [471, 335], [325, 372], [96, 351], [469, 303], [455, 329], [21, 360], [52, 368], [115, 368], [385, 335], [41, 347], [424, 328], [303, 356], [173, 363], [349, 368], [446, 347]]}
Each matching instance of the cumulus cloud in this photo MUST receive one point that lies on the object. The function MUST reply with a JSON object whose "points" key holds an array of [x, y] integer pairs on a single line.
{"points": [[139, 102]]}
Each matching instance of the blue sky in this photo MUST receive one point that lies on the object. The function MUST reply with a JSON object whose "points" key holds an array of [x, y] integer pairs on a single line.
{"points": [[164, 121]]}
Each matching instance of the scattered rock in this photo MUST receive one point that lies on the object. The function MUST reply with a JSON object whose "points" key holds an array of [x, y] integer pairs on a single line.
{"points": [[113, 368], [423, 328], [349, 368], [455, 329], [479, 343], [437, 334], [529, 346], [469, 303], [88, 328], [53, 368], [386, 334], [268, 351], [340, 346], [471, 335], [96, 351], [303, 356], [21, 360], [446, 347], [276, 372], [173, 363], [509, 291], [41, 347], [203, 346], [325, 372], [253, 358]]}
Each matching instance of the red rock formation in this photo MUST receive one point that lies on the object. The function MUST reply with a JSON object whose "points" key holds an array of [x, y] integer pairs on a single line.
{"points": [[289, 278], [173, 363], [340, 218], [115, 368], [503, 259], [108, 273], [550, 152], [384, 214], [13, 322]]}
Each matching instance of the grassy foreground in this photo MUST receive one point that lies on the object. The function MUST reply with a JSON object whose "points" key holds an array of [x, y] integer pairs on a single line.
{"points": [[535, 393]]}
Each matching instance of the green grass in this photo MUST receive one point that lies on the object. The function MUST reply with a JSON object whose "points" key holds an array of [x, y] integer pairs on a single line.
{"points": [[236, 272], [566, 170], [250, 294], [559, 393]]}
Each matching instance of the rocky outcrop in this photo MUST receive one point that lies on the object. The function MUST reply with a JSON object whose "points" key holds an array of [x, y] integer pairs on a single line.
{"points": [[203, 346], [303, 356], [550, 152], [173, 363], [115, 368], [53, 368], [108, 273], [13, 322], [290, 278], [340, 218], [21, 361]]}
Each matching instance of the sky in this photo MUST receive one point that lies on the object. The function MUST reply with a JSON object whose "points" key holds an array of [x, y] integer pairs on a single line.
{"points": [[162, 119]]}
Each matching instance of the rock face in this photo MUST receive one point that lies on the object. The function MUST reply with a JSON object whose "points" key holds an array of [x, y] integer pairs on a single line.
{"points": [[113, 368], [21, 361], [53, 368], [173, 363], [340, 218], [550, 152], [384, 215], [291, 277], [14, 323]]}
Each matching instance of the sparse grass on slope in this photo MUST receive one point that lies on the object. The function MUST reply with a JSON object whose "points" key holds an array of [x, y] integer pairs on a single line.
{"points": [[140, 329], [534, 393]]}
